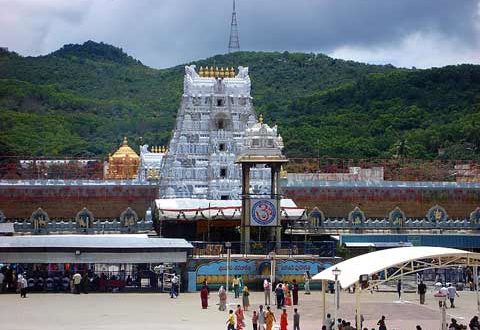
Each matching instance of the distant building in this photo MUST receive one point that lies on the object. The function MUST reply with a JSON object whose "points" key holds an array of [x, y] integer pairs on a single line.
{"points": [[4, 49]]}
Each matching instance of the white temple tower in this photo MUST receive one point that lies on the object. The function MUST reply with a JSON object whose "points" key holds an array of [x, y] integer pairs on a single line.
{"points": [[215, 111]]}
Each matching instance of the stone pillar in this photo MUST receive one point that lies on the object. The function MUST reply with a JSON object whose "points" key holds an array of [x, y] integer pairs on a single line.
{"points": [[275, 194], [273, 181], [245, 221], [278, 242]]}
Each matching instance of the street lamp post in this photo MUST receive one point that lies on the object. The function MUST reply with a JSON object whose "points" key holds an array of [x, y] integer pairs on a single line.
{"points": [[271, 256], [208, 224], [336, 272], [475, 281], [442, 298], [228, 245]]}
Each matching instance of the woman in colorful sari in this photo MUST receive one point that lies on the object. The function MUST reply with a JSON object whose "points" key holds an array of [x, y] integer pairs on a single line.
{"points": [[240, 317], [245, 298], [284, 320], [222, 295], [269, 318], [287, 294], [204, 297]]}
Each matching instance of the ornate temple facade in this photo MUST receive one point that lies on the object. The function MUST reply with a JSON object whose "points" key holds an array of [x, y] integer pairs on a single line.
{"points": [[151, 161], [215, 111]]}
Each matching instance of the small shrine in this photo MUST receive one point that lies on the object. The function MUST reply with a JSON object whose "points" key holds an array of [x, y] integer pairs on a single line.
{"points": [[123, 164], [262, 145]]}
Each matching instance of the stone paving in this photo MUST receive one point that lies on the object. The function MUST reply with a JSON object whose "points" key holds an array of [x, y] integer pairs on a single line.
{"points": [[157, 311]]}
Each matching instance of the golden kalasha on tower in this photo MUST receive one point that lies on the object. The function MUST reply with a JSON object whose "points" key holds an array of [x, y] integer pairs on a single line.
{"points": [[123, 164]]}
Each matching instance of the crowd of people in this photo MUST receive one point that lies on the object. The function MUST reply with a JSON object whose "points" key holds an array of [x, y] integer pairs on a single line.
{"points": [[18, 280], [264, 318], [286, 294]]}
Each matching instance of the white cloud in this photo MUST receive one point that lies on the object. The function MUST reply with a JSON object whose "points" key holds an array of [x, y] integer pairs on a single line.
{"points": [[419, 49]]}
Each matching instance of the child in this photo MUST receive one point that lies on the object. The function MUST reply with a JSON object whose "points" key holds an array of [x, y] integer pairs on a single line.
{"points": [[231, 321], [284, 320], [255, 320]]}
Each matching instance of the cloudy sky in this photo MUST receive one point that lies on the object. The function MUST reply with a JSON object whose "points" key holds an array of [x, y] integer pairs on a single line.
{"points": [[163, 33]]}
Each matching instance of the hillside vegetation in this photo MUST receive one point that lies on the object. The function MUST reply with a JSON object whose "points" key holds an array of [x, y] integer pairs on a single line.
{"points": [[82, 99]]}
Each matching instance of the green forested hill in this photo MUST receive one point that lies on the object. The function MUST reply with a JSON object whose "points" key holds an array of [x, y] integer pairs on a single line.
{"points": [[82, 99]]}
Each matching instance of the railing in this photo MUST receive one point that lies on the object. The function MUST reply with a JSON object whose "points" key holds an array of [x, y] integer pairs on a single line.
{"points": [[324, 249], [385, 224], [96, 227]]}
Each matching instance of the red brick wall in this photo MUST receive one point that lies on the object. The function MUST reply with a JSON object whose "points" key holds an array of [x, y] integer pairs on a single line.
{"points": [[110, 201], [66, 201], [377, 202]]}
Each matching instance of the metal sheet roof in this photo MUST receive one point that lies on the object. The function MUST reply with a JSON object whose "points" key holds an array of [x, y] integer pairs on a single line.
{"points": [[377, 244], [110, 241]]}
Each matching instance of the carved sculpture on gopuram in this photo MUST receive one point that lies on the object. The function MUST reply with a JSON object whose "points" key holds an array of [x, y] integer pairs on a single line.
{"points": [[215, 111]]}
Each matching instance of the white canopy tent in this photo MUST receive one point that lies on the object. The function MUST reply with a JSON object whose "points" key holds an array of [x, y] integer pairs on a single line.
{"points": [[194, 209], [404, 260]]}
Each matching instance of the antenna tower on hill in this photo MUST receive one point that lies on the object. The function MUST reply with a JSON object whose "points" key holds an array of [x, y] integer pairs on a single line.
{"points": [[233, 42]]}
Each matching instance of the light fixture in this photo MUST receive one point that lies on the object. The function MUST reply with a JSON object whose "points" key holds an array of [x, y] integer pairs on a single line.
{"points": [[336, 271], [77, 252]]}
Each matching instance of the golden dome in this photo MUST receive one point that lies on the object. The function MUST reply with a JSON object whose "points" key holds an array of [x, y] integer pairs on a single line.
{"points": [[125, 151]]}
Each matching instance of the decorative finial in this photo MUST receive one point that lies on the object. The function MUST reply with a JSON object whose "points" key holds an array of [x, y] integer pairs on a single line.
{"points": [[201, 71], [232, 72], [125, 141], [260, 119]]}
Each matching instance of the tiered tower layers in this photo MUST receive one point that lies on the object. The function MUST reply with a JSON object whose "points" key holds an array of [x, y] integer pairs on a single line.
{"points": [[215, 111]]}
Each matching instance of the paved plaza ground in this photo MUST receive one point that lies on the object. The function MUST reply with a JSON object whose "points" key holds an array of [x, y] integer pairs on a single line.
{"points": [[157, 311]]}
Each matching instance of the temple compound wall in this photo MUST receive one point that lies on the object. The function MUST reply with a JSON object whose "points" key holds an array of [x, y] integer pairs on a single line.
{"points": [[110, 199], [377, 200], [104, 200]]}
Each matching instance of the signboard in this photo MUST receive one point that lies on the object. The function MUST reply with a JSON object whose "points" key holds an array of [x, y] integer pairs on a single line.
{"points": [[237, 267], [253, 272], [263, 212]]}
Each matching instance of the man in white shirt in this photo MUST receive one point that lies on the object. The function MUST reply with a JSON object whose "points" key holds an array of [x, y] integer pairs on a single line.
{"points": [[174, 289], [328, 322], [444, 291], [267, 290], [452, 292], [77, 279]]}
